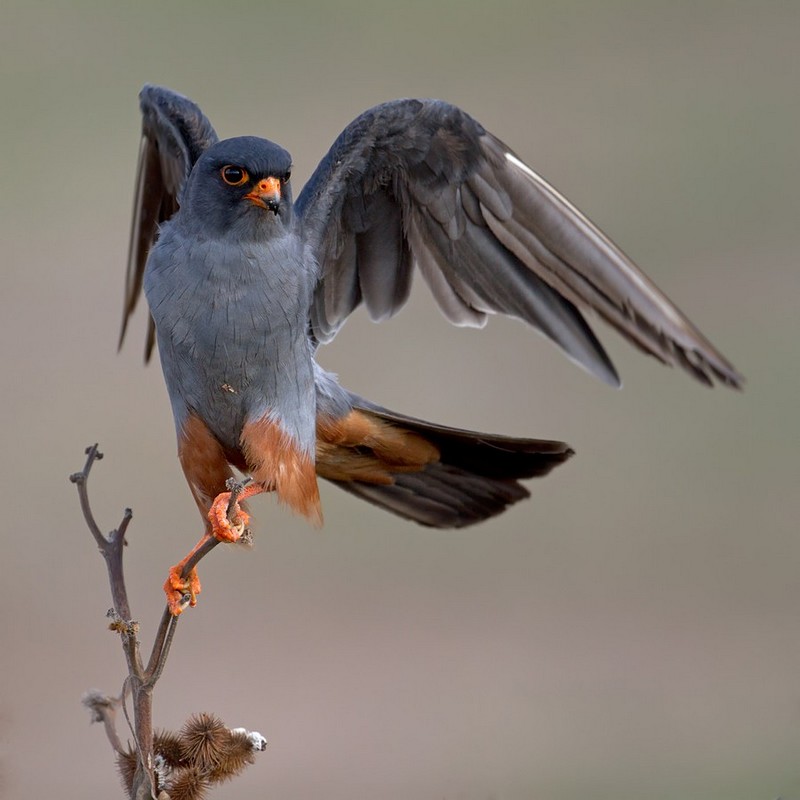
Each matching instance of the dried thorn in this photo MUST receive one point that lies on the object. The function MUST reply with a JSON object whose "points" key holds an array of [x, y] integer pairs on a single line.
{"points": [[206, 741]]}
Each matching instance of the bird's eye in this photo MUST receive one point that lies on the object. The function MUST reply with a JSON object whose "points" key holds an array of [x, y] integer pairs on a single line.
{"points": [[285, 177], [233, 175]]}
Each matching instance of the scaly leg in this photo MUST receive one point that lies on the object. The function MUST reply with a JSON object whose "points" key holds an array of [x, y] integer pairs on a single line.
{"points": [[207, 472], [182, 591]]}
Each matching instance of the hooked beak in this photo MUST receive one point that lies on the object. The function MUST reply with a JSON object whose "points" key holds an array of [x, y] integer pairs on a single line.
{"points": [[266, 194]]}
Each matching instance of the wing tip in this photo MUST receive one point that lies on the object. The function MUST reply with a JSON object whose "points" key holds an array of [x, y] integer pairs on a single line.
{"points": [[730, 378]]}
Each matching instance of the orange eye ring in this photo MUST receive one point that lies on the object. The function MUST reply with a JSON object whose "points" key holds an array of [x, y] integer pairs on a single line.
{"points": [[233, 175]]}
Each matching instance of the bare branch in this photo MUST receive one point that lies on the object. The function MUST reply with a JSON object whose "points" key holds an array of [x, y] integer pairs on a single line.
{"points": [[111, 548], [159, 763], [80, 478], [235, 488]]}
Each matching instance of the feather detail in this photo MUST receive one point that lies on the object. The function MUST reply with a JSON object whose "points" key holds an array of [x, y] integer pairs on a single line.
{"points": [[275, 460]]}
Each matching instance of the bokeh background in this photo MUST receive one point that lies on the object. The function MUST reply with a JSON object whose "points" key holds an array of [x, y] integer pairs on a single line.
{"points": [[631, 631]]}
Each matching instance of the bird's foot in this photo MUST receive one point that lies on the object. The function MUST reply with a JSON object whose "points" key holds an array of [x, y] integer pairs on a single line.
{"points": [[229, 522], [224, 527], [181, 592]]}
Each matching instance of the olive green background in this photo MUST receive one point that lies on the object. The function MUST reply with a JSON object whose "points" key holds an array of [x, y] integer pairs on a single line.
{"points": [[633, 631]]}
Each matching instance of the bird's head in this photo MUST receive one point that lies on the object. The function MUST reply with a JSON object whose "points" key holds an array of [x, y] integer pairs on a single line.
{"points": [[240, 186]]}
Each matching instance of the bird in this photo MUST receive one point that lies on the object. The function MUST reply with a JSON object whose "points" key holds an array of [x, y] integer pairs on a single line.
{"points": [[244, 284]]}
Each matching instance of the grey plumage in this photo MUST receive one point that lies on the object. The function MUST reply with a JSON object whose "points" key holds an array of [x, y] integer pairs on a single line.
{"points": [[243, 295], [490, 235]]}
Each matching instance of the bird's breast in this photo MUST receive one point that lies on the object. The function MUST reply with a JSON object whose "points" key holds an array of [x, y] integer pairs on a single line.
{"points": [[232, 333]]}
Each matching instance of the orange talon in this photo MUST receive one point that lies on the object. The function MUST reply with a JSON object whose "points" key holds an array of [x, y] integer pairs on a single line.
{"points": [[224, 528], [181, 592], [230, 529]]}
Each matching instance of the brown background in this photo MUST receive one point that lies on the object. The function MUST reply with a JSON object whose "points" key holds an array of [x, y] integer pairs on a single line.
{"points": [[632, 631]]}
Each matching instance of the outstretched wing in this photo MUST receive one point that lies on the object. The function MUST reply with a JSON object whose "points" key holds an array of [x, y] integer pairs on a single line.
{"points": [[175, 133], [421, 182]]}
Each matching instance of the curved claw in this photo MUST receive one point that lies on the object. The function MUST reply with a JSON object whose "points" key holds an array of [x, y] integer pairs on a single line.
{"points": [[224, 528], [181, 592]]}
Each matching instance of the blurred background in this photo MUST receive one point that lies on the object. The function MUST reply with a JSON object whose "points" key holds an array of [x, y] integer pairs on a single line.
{"points": [[631, 631]]}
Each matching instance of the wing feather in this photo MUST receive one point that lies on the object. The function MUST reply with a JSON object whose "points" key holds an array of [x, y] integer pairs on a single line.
{"points": [[175, 133], [420, 182]]}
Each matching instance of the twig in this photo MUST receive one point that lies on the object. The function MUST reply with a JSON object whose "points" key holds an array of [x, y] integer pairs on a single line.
{"points": [[235, 488], [140, 768], [104, 709], [111, 548], [161, 645]]}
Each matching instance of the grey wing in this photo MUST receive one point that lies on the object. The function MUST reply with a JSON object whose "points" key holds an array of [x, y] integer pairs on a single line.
{"points": [[419, 182], [175, 133]]}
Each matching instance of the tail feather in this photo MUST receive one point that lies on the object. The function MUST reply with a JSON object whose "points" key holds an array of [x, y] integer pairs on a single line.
{"points": [[477, 475]]}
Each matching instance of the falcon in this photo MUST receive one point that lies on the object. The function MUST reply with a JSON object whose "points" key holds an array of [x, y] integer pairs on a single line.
{"points": [[244, 283]]}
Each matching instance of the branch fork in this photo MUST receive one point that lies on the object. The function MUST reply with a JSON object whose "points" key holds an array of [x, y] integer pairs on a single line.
{"points": [[160, 765]]}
